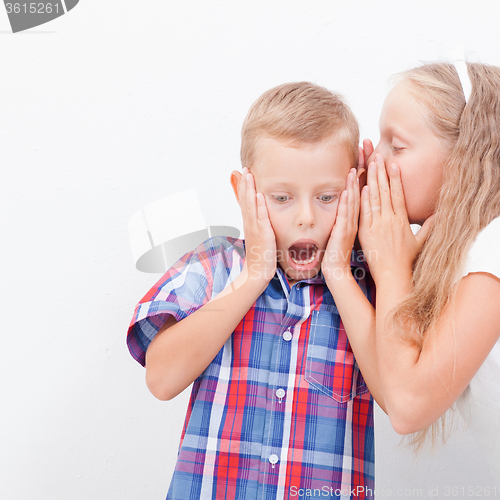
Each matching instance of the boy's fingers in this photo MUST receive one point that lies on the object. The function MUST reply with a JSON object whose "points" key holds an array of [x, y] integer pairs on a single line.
{"points": [[397, 193], [242, 191], [262, 214], [383, 184], [342, 211], [353, 209], [250, 198], [356, 204]]}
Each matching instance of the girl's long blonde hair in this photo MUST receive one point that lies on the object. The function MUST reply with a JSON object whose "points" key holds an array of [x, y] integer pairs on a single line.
{"points": [[468, 200]]}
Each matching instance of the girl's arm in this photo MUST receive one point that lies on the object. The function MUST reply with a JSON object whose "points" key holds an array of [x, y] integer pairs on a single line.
{"points": [[419, 385], [358, 315]]}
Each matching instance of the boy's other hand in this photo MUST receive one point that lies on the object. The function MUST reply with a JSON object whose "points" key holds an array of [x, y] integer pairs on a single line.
{"points": [[337, 260], [260, 241]]}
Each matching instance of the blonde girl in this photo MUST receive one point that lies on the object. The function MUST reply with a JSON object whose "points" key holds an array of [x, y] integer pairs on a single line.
{"points": [[435, 337]]}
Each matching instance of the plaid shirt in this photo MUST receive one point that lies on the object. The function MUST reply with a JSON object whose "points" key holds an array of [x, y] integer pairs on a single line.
{"points": [[282, 411]]}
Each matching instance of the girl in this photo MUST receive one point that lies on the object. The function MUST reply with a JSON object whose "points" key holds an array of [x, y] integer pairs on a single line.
{"points": [[435, 336]]}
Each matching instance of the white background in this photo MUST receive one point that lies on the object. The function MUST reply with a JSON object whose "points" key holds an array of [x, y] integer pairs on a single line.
{"points": [[118, 104]]}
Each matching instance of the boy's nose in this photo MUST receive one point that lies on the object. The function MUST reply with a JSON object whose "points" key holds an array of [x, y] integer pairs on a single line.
{"points": [[305, 216]]}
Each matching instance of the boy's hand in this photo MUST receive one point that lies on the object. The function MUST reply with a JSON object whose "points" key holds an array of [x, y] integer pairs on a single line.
{"points": [[260, 241], [336, 262]]}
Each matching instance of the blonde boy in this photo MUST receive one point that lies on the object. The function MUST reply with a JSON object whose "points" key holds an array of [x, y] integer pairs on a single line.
{"points": [[278, 407]]}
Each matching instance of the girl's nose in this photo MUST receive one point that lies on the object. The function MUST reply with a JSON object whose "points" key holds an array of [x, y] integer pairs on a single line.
{"points": [[383, 150]]}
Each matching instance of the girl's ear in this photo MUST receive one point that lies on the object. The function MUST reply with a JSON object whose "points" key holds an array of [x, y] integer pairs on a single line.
{"points": [[235, 182]]}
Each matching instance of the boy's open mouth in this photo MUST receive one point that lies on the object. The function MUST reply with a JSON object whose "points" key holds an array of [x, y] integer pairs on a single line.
{"points": [[303, 253]]}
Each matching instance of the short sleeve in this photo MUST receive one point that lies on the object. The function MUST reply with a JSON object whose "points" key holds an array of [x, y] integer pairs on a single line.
{"points": [[189, 284], [484, 255]]}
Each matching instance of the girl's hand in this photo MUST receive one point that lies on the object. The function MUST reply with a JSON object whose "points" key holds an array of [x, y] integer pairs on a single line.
{"points": [[260, 241], [336, 262], [388, 243]]}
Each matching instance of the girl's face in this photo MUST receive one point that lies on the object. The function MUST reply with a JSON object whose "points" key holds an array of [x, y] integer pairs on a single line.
{"points": [[408, 139]]}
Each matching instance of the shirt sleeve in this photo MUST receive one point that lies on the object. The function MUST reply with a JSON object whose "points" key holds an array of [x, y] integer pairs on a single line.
{"points": [[484, 255], [189, 284]]}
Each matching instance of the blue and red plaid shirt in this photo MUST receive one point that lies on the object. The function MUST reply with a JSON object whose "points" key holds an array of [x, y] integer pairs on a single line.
{"points": [[283, 410]]}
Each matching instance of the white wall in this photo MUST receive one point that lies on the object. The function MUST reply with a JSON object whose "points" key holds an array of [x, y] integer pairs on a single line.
{"points": [[118, 104]]}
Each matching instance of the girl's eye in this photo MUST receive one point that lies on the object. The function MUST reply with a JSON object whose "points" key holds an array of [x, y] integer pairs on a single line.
{"points": [[327, 198], [396, 149], [281, 199]]}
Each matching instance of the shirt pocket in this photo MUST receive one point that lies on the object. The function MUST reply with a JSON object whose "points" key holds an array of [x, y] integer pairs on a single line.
{"points": [[330, 364]]}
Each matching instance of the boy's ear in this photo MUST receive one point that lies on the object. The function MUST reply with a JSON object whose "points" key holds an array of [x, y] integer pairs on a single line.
{"points": [[361, 172], [362, 175], [235, 182]]}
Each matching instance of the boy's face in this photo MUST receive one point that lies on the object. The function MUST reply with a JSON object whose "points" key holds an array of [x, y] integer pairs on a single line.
{"points": [[302, 187]]}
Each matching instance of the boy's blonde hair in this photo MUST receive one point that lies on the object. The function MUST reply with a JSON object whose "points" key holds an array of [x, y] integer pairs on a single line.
{"points": [[469, 197], [299, 113]]}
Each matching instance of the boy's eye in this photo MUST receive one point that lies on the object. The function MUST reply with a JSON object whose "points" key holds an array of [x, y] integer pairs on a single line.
{"points": [[327, 198], [281, 198]]}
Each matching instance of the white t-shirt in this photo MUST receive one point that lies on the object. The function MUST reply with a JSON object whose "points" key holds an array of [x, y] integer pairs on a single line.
{"points": [[480, 409]]}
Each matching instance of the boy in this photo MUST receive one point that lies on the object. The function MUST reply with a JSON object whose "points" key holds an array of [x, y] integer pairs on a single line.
{"points": [[278, 407]]}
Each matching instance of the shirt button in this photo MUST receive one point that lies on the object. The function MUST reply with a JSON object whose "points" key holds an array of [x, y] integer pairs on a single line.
{"points": [[287, 335], [280, 393], [273, 459]]}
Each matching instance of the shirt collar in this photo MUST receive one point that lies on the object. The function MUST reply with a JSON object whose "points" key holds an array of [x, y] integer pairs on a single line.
{"points": [[357, 261]]}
